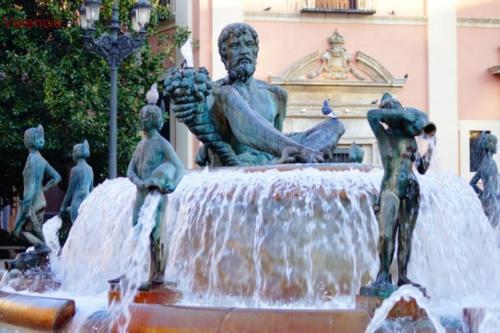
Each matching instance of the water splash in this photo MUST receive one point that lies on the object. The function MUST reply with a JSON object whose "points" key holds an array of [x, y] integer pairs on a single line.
{"points": [[454, 247], [406, 293], [137, 262], [50, 232], [490, 322], [95, 250]]}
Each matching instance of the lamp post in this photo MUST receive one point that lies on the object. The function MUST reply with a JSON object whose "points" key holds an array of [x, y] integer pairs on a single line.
{"points": [[114, 47]]}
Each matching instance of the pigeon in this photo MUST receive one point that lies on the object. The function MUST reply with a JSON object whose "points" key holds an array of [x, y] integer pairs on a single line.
{"points": [[327, 110], [152, 95]]}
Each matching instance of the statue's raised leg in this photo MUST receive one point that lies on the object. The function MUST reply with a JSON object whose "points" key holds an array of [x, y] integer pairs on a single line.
{"points": [[323, 137]]}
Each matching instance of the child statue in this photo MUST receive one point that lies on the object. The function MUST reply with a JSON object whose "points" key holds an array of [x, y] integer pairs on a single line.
{"points": [[81, 180], [488, 173], [81, 183], [29, 219], [154, 166], [395, 128]]}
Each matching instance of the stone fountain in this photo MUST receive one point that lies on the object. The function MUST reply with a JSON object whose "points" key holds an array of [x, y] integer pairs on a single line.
{"points": [[257, 242]]}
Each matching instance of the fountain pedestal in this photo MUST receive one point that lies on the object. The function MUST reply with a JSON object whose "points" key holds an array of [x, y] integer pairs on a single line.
{"points": [[164, 294], [402, 308]]}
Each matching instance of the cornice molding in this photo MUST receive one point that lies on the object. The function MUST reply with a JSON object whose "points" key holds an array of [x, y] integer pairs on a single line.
{"points": [[329, 18], [334, 18]]}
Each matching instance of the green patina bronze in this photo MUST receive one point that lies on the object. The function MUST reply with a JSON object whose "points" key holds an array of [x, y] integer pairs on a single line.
{"points": [[488, 174], [81, 183], [29, 219], [356, 153], [395, 128], [154, 167], [239, 119]]}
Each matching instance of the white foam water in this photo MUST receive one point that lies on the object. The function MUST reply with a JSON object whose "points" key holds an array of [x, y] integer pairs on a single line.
{"points": [[406, 293], [273, 238], [95, 250], [454, 251], [137, 262]]}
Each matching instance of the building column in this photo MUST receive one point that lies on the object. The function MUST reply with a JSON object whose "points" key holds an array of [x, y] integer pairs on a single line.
{"points": [[183, 138], [442, 76]]}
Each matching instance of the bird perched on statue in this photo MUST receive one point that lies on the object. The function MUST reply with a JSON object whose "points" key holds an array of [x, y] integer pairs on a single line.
{"points": [[152, 95], [327, 110]]}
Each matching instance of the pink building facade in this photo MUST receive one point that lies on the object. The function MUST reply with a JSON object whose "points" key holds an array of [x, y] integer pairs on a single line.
{"points": [[438, 56]]}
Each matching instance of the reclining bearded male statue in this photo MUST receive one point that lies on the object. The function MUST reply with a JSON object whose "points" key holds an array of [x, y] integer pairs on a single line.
{"points": [[239, 119]]}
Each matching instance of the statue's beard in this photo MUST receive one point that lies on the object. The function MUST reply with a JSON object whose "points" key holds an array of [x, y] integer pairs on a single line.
{"points": [[241, 72]]}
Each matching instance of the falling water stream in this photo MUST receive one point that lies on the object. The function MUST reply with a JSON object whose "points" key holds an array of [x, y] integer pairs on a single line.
{"points": [[301, 238]]}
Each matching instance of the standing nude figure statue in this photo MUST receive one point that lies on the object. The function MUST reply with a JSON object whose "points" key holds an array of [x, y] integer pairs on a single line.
{"points": [[29, 219], [488, 173], [81, 180], [154, 166], [81, 183], [395, 128]]}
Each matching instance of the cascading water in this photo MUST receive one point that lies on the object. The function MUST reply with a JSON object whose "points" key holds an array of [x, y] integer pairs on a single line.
{"points": [[95, 249], [104, 245], [272, 238], [297, 238], [138, 241]]}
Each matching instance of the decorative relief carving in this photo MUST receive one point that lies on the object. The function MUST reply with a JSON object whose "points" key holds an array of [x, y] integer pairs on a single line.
{"points": [[335, 61], [336, 66]]}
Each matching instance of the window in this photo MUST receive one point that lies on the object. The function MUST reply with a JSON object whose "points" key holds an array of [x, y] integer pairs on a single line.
{"points": [[341, 155], [340, 6]]}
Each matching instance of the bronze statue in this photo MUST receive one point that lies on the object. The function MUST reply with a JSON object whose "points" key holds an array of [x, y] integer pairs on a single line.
{"points": [[29, 219], [356, 153], [81, 183], [395, 128], [488, 174], [81, 180], [239, 119], [154, 167]]}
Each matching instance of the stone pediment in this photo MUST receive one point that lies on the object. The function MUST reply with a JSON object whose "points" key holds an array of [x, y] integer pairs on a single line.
{"points": [[353, 84], [336, 66]]}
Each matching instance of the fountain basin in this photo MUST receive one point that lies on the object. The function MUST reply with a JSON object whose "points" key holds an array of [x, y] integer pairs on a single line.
{"points": [[160, 318], [35, 312]]}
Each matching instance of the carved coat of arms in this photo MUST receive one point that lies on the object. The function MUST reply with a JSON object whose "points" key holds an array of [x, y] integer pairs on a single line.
{"points": [[335, 61]]}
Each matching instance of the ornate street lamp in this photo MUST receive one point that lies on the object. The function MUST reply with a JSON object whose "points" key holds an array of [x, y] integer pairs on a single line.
{"points": [[114, 47]]}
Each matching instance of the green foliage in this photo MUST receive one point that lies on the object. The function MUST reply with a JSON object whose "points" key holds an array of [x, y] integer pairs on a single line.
{"points": [[48, 78]]}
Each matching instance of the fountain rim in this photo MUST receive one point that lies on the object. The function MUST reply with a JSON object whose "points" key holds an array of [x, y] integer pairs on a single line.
{"points": [[292, 167]]}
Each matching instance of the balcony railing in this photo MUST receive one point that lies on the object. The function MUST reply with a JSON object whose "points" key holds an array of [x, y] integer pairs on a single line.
{"points": [[366, 7]]}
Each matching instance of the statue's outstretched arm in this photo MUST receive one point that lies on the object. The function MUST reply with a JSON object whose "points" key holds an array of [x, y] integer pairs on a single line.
{"points": [[474, 181], [251, 128], [54, 175]]}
